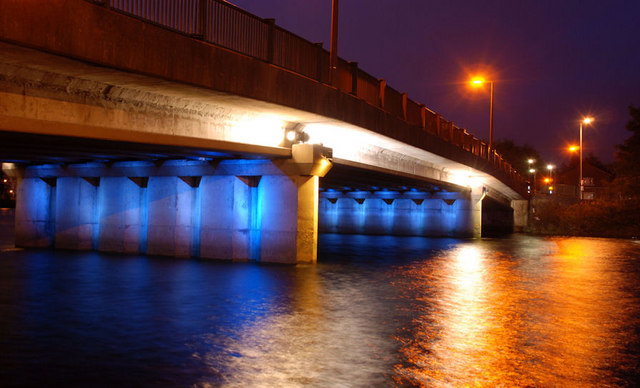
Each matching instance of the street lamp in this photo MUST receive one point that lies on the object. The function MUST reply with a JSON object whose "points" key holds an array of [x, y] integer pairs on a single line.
{"points": [[476, 83], [532, 171], [550, 168], [586, 120]]}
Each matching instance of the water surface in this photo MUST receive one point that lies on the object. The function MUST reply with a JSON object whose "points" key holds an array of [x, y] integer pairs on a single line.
{"points": [[375, 311]]}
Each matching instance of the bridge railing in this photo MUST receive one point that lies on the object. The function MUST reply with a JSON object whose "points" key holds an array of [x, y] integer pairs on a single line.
{"points": [[228, 26]]}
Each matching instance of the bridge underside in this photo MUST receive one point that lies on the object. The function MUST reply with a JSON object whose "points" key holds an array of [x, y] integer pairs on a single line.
{"points": [[29, 148], [357, 201]]}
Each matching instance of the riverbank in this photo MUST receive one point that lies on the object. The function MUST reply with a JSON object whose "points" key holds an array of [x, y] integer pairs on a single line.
{"points": [[613, 219]]}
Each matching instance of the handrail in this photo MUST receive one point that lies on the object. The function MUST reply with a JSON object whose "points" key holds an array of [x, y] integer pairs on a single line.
{"points": [[228, 26]]}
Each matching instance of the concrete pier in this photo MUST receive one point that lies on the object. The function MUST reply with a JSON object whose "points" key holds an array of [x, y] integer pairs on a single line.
{"points": [[76, 213], [123, 217], [232, 210], [421, 214], [35, 213]]}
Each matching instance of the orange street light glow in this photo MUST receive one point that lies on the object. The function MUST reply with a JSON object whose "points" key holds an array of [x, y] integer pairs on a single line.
{"points": [[477, 81], [573, 148], [587, 120]]}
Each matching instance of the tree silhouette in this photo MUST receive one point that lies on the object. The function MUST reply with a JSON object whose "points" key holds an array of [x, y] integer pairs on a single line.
{"points": [[628, 158], [518, 156]]}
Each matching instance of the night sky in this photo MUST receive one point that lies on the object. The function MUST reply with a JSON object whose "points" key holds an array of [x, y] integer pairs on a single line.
{"points": [[553, 61]]}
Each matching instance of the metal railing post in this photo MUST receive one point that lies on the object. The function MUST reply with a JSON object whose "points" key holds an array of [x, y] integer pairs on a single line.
{"points": [[202, 19], [354, 78], [319, 55], [404, 106], [383, 86], [271, 23]]}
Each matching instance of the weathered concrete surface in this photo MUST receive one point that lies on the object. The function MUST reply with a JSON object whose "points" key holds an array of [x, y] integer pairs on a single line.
{"points": [[520, 214], [35, 213], [76, 215], [228, 227], [43, 94], [122, 217], [171, 210]]}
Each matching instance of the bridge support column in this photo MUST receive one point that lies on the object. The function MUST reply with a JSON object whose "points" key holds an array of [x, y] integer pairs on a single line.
{"points": [[76, 224], [440, 217], [289, 207], [476, 196], [230, 217], [289, 224], [520, 214], [172, 207], [122, 207], [35, 211]]}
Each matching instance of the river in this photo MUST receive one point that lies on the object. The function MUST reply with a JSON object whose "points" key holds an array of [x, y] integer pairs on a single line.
{"points": [[375, 311]]}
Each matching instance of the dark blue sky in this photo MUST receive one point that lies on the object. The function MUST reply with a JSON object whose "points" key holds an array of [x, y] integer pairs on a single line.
{"points": [[553, 60]]}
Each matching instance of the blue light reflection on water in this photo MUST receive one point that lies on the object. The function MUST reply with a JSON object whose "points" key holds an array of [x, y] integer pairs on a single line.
{"points": [[92, 317], [375, 311]]}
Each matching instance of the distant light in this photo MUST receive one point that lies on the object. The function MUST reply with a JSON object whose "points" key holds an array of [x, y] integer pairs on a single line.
{"points": [[587, 120], [531, 161], [573, 148], [549, 166], [10, 191], [4, 181], [532, 170], [550, 188], [547, 180]]}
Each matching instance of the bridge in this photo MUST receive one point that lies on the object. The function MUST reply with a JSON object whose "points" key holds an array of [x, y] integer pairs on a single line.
{"points": [[193, 128]]}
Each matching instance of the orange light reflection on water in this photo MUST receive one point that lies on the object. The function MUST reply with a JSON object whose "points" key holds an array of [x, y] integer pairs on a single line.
{"points": [[501, 320]]}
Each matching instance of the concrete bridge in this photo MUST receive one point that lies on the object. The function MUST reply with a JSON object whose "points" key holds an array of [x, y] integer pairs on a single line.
{"points": [[193, 128]]}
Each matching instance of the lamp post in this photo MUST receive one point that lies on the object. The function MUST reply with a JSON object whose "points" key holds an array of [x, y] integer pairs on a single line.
{"points": [[333, 49], [533, 182], [477, 82], [586, 120], [550, 168], [531, 171]]}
